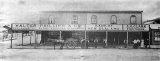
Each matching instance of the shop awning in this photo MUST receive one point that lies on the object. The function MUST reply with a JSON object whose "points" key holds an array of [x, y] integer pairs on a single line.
{"points": [[79, 27], [155, 26]]}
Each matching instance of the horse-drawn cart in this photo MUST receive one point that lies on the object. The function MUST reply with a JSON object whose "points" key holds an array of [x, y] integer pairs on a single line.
{"points": [[71, 43], [68, 43]]}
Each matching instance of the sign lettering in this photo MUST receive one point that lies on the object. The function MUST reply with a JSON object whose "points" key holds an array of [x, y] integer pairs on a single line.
{"points": [[47, 27], [103, 27], [136, 27], [91, 27]]}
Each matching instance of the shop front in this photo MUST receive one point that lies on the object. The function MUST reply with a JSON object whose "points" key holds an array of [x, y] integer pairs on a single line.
{"points": [[103, 35], [62, 35], [116, 39], [136, 32], [86, 36], [54, 34], [155, 34], [70, 34]]}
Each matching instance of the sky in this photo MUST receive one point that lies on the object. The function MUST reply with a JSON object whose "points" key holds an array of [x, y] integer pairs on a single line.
{"points": [[13, 11]]}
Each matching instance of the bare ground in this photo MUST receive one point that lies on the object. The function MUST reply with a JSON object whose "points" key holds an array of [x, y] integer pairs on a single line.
{"points": [[7, 54], [111, 54]]}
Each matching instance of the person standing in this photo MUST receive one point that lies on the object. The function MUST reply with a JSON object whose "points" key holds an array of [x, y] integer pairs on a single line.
{"points": [[135, 44], [142, 43], [114, 42], [125, 43], [87, 41], [82, 42], [105, 42], [146, 43], [62, 44], [138, 42], [95, 41]]}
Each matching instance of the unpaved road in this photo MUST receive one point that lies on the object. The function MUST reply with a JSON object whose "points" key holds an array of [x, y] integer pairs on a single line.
{"points": [[77, 54]]}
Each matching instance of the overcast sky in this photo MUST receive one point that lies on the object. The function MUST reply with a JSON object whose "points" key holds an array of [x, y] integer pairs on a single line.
{"points": [[13, 11]]}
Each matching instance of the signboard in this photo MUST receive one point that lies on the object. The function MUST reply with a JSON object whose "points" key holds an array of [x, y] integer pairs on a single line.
{"points": [[155, 26], [103, 27], [22, 26], [91, 27], [59, 27], [46, 27], [136, 27]]}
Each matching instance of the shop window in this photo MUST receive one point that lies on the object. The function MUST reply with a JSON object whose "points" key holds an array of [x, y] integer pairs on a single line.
{"points": [[94, 19], [74, 19], [157, 36], [133, 19], [51, 19], [113, 19]]}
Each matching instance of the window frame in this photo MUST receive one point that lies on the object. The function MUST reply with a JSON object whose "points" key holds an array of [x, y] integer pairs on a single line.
{"points": [[74, 19], [94, 19], [51, 19], [111, 22], [131, 22], [157, 36]]}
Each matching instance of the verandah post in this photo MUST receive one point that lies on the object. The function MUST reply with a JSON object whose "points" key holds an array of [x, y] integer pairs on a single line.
{"points": [[127, 39], [30, 38], [106, 39], [11, 36], [22, 38], [60, 35], [60, 38], [35, 40], [85, 41], [149, 40]]}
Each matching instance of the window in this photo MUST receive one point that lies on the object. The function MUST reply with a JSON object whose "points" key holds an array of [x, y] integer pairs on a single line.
{"points": [[94, 19], [74, 19], [157, 36], [51, 19], [113, 19], [133, 19]]}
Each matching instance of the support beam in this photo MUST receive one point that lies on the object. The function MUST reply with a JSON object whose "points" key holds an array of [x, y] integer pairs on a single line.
{"points": [[141, 37], [127, 39], [35, 40], [149, 40], [22, 38], [106, 39], [17, 33], [11, 36], [37, 37], [86, 40], [60, 36], [30, 38]]}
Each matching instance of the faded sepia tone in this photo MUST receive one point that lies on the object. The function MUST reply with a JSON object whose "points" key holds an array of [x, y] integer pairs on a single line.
{"points": [[79, 30]]}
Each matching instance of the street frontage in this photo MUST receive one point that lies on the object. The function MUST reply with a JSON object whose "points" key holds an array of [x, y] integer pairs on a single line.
{"points": [[92, 54]]}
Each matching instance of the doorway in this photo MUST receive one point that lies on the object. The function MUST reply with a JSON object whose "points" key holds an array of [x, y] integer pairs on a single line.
{"points": [[91, 36], [116, 39]]}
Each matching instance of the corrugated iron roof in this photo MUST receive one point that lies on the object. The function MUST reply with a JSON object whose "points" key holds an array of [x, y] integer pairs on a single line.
{"points": [[91, 11]]}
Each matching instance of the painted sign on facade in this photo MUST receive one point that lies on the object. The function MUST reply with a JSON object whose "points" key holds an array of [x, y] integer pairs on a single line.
{"points": [[47, 27], [136, 27], [22, 26], [91, 27], [155, 26], [59, 27], [103, 27]]}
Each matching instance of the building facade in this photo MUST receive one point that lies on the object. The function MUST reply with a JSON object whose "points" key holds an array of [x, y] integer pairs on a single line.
{"points": [[113, 26], [91, 17], [93, 28]]}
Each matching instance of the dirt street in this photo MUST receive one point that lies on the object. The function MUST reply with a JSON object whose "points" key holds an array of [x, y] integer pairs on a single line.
{"points": [[7, 54]]}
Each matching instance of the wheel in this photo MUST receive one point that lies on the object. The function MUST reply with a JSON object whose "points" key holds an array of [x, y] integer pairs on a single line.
{"points": [[71, 44]]}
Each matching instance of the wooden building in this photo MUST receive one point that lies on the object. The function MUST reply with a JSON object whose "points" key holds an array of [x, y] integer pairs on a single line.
{"points": [[113, 26]]}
